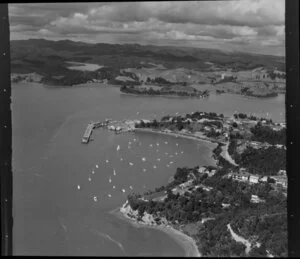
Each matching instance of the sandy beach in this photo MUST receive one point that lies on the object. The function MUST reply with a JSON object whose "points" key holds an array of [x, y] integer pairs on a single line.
{"points": [[186, 242]]}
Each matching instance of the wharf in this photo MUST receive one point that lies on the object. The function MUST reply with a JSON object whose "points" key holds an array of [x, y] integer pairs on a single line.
{"points": [[89, 129], [88, 132]]}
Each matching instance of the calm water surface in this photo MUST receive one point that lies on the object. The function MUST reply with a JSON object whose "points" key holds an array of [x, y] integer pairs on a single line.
{"points": [[53, 217]]}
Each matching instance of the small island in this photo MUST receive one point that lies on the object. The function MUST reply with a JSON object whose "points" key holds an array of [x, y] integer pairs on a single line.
{"points": [[236, 208]]}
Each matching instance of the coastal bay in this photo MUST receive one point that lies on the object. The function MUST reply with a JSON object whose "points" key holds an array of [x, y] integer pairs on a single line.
{"points": [[51, 172], [185, 241]]}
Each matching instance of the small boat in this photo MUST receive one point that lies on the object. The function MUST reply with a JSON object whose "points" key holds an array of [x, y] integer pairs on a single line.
{"points": [[166, 142], [118, 147], [109, 179], [121, 159], [134, 140], [97, 166], [95, 198], [171, 155], [176, 153], [129, 143], [154, 166], [171, 162], [107, 161], [109, 195], [130, 187], [115, 172], [130, 163], [144, 159], [114, 187], [129, 147], [176, 144], [181, 152], [123, 190], [93, 172], [157, 144], [158, 159], [78, 187], [168, 165], [166, 153], [150, 145], [144, 170], [90, 179]]}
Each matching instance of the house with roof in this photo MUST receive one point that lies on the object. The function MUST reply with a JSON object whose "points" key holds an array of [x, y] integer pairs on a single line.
{"points": [[256, 199], [280, 180], [253, 179]]}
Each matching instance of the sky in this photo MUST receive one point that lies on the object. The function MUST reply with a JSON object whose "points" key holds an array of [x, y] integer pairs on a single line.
{"points": [[254, 26]]}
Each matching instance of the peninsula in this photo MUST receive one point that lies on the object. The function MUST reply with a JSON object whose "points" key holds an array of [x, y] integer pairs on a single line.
{"points": [[236, 208]]}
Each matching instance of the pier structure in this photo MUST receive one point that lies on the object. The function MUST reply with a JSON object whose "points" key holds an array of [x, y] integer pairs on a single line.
{"points": [[88, 132], [93, 125]]}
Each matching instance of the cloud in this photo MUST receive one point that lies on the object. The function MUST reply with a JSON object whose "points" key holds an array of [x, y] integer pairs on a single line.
{"points": [[252, 23]]}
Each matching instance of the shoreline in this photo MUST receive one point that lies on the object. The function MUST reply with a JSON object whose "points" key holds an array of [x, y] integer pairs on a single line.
{"points": [[186, 242], [179, 135], [163, 95]]}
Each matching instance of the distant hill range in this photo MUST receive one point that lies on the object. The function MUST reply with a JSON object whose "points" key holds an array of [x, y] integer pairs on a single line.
{"points": [[48, 59], [32, 53]]}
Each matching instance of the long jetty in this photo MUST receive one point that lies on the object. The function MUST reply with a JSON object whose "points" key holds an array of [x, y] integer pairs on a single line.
{"points": [[89, 129], [88, 132]]}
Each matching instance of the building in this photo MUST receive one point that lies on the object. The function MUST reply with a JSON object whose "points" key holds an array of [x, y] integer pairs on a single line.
{"points": [[263, 179], [225, 205], [280, 180], [253, 179], [282, 173], [256, 199], [202, 170], [186, 184], [242, 176]]}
